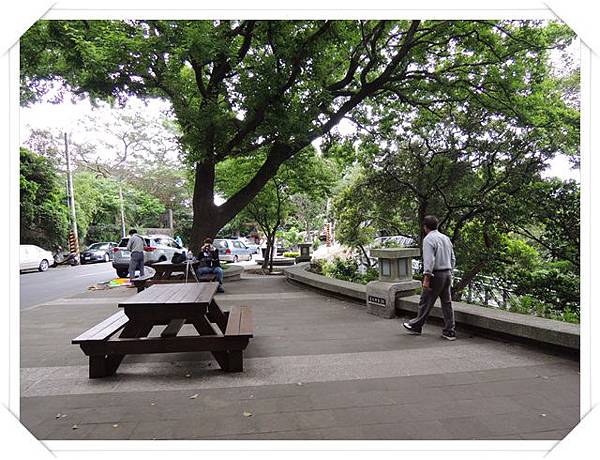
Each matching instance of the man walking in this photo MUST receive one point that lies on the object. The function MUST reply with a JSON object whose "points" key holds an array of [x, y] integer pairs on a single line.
{"points": [[209, 260], [438, 263], [136, 245]]}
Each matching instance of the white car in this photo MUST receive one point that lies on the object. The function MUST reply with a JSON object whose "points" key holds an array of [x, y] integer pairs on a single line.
{"points": [[232, 250], [33, 257], [250, 244], [158, 249]]}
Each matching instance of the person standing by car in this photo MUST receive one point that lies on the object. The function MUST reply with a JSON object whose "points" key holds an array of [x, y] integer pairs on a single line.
{"points": [[438, 263], [209, 262], [136, 245]]}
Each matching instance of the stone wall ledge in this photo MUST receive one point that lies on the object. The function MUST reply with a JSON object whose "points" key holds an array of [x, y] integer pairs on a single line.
{"points": [[300, 273], [233, 272], [498, 322]]}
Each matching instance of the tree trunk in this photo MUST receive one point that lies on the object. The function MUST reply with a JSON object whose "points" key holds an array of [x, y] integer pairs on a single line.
{"points": [[364, 251], [466, 280], [422, 212], [267, 256], [307, 237], [208, 218], [272, 252]]}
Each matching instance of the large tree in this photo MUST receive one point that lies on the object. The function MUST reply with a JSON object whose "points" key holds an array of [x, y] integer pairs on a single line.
{"points": [[238, 87]]}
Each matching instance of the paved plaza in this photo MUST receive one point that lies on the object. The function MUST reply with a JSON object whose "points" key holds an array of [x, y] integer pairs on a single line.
{"points": [[318, 367]]}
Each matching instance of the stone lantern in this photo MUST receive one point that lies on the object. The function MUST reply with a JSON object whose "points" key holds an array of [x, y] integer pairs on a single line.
{"points": [[395, 280], [304, 252]]}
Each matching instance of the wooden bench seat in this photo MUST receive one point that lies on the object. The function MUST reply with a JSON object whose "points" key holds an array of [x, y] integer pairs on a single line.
{"points": [[93, 342], [239, 322], [104, 330]]}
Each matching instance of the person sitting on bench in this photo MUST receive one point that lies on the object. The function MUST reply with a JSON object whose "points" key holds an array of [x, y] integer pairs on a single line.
{"points": [[209, 262]]}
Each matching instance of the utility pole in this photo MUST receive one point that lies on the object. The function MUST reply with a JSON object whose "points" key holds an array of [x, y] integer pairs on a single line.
{"points": [[73, 235], [122, 210]]}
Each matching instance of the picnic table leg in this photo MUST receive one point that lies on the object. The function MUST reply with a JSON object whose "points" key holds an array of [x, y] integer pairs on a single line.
{"points": [[217, 316], [204, 328], [97, 366], [132, 329], [236, 361]]}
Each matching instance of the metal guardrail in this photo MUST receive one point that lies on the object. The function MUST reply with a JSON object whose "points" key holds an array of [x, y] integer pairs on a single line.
{"points": [[484, 290]]}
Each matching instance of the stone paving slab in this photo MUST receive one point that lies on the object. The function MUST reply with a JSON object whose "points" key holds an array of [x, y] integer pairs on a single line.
{"points": [[317, 368]]}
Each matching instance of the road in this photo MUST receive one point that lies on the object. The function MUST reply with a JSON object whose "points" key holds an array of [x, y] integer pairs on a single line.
{"points": [[63, 281]]}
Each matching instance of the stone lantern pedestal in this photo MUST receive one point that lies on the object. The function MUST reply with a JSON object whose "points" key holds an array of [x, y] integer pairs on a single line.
{"points": [[304, 252], [395, 280]]}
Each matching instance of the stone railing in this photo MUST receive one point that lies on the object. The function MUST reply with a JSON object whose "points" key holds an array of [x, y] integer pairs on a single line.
{"points": [[480, 319]]}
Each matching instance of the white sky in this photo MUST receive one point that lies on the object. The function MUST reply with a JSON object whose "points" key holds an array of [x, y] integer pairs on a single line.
{"points": [[65, 116]]}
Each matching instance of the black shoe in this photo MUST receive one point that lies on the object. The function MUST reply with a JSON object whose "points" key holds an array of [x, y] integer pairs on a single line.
{"points": [[449, 335], [411, 329], [220, 289]]}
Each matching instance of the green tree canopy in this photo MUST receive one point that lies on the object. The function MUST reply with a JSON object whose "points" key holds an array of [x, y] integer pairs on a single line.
{"points": [[97, 205], [239, 87], [44, 214]]}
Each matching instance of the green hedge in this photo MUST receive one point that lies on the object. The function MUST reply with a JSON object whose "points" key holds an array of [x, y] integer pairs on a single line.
{"points": [[344, 269]]}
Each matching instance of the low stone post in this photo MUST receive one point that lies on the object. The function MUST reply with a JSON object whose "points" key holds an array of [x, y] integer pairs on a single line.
{"points": [[304, 252], [395, 280]]}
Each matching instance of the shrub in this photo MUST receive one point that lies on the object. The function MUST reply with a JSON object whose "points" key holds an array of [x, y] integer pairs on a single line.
{"points": [[529, 305], [344, 269], [291, 254], [316, 266]]}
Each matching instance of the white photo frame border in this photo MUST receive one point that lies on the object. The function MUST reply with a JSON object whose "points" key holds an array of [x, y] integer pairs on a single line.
{"points": [[571, 13]]}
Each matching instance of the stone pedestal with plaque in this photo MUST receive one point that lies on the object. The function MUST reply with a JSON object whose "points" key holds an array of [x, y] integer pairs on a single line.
{"points": [[395, 280], [304, 252]]}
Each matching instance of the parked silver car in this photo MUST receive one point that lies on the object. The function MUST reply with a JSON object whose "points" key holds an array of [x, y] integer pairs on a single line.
{"points": [[98, 252], [232, 250], [158, 249], [254, 248]]}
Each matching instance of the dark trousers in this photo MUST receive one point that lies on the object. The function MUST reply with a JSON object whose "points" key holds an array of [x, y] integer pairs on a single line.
{"points": [[440, 286], [216, 270], [136, 262]]}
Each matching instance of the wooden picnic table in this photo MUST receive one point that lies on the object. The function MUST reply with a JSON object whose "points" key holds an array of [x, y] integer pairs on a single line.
{"points": [[166, 270], [224, 334], [169, 272]]}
